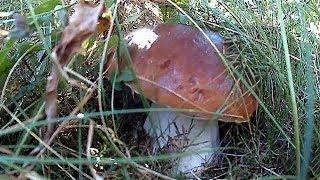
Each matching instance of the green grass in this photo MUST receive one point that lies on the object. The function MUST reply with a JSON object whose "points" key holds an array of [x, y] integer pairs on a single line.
{"points": [[291, 87], [278, 59]]}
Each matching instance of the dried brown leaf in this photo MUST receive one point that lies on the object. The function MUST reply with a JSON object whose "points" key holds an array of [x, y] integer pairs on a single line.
{"points": [[83, 23]]}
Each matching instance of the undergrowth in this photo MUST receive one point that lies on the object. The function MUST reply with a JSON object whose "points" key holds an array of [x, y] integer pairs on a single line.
{"points": [[276, 54]]}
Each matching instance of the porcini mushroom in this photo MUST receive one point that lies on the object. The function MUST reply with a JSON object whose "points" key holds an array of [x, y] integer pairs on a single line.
{"points": [[177, 67]]}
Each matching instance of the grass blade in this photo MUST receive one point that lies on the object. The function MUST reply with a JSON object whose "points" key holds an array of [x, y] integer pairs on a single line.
{"points": [[291, 87], [306, 50]]}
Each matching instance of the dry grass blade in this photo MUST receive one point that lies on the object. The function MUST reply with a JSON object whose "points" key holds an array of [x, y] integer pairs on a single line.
{"points": [[88, 146], [5, 150]]}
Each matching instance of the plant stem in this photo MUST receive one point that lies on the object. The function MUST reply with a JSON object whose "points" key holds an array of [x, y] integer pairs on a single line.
{"points": [[291, 88]]}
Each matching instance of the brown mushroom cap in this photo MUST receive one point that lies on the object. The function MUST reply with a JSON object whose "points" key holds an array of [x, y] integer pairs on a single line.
{"points": [[177, 67]]}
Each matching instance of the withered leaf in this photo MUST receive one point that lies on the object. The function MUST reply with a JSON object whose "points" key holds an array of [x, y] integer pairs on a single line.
{"points": [[82, 25]]}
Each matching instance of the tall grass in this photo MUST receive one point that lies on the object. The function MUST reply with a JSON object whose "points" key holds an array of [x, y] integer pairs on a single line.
{"points": [[306, 50], [277, 58], [291, 86]]}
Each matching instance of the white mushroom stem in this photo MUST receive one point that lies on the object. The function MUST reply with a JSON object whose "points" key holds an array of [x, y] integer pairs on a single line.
{"points": [[197, 138]]}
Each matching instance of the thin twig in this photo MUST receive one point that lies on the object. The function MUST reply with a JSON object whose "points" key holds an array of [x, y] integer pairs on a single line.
{"points": [[89, 142]]}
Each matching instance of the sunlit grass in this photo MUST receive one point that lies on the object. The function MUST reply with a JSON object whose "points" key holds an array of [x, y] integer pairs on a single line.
{"points": [[277, 59]]}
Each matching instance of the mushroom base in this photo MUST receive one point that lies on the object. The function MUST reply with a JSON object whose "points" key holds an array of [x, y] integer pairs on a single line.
{"points": [[175, 132]]}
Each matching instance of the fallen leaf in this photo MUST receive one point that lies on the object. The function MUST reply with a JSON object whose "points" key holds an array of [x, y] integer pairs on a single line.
{"points": [[104, 21], [82, 24]]}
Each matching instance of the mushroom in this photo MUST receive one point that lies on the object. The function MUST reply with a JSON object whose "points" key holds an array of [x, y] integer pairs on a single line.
{"points": [[177, 67]]}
